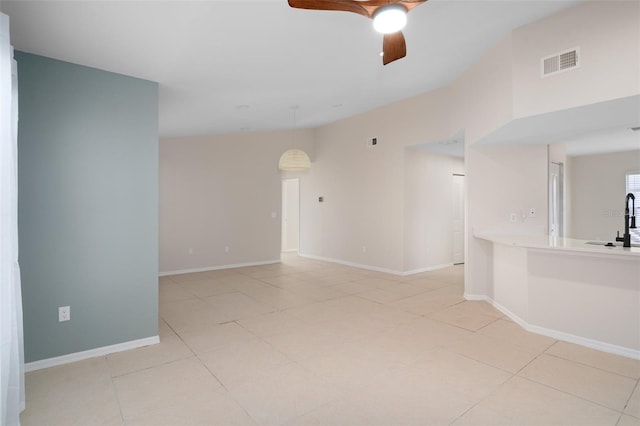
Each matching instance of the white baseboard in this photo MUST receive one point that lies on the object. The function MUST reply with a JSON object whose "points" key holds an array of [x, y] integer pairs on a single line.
{"points": [[218, 267], [428, 269], [560, 335], [91, 353], [352, 264], [374, 268]]}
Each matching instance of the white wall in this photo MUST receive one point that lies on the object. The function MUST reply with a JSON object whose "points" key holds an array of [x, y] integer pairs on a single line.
{"points": [[513, 180], [597, 199], [502, 86], [428, 213], [502, 179], [219, 191], [482, 99], [364, 188], [363, 202], [608, 35]]}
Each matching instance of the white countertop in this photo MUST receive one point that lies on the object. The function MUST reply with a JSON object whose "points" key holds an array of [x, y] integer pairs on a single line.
{"points": [[546, 242]]}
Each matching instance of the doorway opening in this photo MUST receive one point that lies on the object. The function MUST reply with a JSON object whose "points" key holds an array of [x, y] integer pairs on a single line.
{"points": [[290, 215]]}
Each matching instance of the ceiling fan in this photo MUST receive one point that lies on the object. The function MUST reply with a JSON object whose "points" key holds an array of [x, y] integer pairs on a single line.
{"points": [[389, 17]]}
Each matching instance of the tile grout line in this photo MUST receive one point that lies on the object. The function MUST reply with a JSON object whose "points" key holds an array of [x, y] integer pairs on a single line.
{"points": [[588, 365], [636, 387], [213, 375], [517, 374], [571, 394], [115, 390]]}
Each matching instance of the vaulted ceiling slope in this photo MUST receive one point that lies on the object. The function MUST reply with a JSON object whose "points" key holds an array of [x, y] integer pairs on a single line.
{"points": [[233, 66]]}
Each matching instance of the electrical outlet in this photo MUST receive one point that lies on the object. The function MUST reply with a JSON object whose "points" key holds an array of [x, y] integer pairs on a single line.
{"points": [[64, 313], [532, 212], [190, 250], [364, 249], [226, 249], [514, 217]]}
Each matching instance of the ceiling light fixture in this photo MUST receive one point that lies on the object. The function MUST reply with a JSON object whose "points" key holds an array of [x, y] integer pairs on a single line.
{"points": [[390, 19], [294, 160]]}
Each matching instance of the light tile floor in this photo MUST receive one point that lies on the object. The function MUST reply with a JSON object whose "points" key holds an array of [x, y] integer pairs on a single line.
{"points": [[313, 343]]}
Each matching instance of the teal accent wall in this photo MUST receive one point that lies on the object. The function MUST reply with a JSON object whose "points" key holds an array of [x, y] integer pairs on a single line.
{"points": [[88, 206]]}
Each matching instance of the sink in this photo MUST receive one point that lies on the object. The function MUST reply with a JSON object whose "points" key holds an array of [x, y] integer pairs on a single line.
{"points": [[604, 243]]}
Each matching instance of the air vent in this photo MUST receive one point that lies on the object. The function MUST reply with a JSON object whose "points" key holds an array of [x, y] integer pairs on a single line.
{"points": [[560, 62]]}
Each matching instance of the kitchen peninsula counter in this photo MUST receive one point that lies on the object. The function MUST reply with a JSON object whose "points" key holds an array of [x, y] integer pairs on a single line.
{"points": [[546, 242], [567, 289]]}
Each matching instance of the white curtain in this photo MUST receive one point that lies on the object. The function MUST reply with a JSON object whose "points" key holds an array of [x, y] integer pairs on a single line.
{"points": [[11, 341]]}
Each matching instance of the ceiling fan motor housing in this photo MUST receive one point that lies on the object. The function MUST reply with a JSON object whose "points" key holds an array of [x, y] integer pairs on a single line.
{"points": [[390, 19]]}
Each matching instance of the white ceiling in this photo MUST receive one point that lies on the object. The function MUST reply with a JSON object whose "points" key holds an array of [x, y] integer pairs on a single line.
{"points": [[232, 66], [588, 129], [607, 140]]}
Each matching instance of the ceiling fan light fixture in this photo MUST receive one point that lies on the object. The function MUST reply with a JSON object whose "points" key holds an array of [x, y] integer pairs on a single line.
{"points": [[390, 19]]}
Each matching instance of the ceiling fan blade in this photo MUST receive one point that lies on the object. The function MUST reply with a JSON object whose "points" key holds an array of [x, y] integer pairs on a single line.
{"points": [[410, 4], [340, 5], [393, 47]]}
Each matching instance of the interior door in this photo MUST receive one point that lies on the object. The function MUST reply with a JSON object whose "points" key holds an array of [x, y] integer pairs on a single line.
{"points": [[290, 214], [458, 219], [556, 200]]}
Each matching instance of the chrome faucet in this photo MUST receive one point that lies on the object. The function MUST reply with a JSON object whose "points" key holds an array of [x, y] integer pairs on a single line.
{"points": [[626, 238]]}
